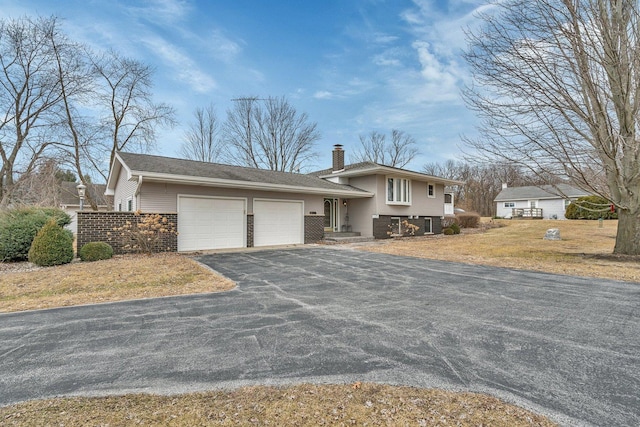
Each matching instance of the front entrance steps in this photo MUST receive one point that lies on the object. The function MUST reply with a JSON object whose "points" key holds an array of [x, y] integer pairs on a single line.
{"points": [[345, 237]]}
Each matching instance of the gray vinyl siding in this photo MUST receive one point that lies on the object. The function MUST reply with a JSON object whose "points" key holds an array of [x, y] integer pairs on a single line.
{"points": [[124, 190], [160, 197]]}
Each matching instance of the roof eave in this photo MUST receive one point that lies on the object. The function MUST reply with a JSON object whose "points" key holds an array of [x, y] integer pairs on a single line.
{"points": [[392, 171], [246, 185]]}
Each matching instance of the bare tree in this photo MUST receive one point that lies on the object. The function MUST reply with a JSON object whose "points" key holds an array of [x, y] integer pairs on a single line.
{"points": [[558, 92], [29, 97], [76, 82], [270, 134], [398, 152], [130, 118], [201, 141], [482, 183]]}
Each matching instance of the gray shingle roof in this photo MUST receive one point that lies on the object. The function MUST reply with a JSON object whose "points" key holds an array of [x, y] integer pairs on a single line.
{"points": [[191, 168], [561, 191], [354, 166]]}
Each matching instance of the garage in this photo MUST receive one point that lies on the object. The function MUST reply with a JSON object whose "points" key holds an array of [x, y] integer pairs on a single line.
{"points": [[211, 223], [278, 222]]}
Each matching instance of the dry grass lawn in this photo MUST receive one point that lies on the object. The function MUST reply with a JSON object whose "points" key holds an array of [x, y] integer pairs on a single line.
{"points": [[117, 279], [301, 405], [585, 249]]}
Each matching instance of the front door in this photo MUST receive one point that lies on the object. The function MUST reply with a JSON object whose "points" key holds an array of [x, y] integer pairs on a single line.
{"points": [[330, 215]]}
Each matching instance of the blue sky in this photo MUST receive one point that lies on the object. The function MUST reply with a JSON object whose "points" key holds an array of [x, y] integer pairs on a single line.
{"points": [[352, 66]]}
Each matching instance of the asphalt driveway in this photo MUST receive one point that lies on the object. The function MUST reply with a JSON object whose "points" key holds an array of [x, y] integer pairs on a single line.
{"points": [[563, 346]]}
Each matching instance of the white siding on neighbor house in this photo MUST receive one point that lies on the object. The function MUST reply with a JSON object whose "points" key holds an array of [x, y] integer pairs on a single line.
{"points": [[550, 207], [159, 197], [124, 190]]}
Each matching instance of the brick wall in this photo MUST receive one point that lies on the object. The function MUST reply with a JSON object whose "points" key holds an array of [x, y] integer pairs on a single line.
{"points": [[381, 225], [313, 228], [249, 230], [95, 226]]}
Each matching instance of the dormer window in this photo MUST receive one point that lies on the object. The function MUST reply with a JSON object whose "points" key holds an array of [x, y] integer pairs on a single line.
{"points": [[398, 191]]}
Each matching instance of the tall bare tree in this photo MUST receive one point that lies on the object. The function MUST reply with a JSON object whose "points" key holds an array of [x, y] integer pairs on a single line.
{"points": [[270, 134], [482, 183], [29, 97], [397, 152], [202, 141], [557, 88], [131, 117]]}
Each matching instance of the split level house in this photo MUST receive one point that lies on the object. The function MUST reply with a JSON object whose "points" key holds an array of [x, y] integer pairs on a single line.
{"points": [[536, 202], [222, 206]]}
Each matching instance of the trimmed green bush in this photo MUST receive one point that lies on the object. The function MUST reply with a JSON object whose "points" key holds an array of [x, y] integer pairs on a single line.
{"points": [[447, 231], [95, 251], [53, 245], [468, 219], [590, 207], [19, 226], [455, 228]]}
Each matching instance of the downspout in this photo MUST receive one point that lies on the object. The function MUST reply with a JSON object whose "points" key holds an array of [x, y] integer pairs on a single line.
{"points": [[137, 193]]}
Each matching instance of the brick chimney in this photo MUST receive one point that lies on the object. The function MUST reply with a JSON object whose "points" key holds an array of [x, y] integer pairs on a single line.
{"points": [[338, 158]]}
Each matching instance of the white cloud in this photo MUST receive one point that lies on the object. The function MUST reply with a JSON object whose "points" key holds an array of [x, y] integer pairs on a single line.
{"points": [[186, 69], [323, 94]]}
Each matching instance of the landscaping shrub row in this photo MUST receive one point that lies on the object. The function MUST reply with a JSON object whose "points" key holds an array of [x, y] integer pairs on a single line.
{"points": [[453, 224], [38, 235]]}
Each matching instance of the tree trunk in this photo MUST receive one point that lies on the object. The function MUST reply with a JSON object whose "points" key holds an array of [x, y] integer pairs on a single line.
{"points": [[628, 236]]}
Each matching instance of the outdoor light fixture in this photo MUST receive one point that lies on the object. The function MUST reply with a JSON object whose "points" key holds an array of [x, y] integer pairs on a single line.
{"points": [[81, 191], [344, 202]]}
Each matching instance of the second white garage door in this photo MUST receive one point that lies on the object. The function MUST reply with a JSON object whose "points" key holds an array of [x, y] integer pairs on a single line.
{"points": [[277, 222], [210, 223]]}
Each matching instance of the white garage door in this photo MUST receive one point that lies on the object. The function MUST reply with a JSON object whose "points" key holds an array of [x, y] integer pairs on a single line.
{"points": [[210, 223], [277, 222]]}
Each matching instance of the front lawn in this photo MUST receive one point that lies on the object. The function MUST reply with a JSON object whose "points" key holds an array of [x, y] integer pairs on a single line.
{"points": [[120, 278]]}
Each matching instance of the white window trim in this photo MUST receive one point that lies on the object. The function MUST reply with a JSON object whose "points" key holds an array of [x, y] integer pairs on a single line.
{"points": [[429, 221], [130, 201], [120, 205], [395, 193], [431, 196], [512, 204]]}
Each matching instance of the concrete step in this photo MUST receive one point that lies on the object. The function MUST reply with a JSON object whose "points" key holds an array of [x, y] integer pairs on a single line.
{"points": [[340, 234]]}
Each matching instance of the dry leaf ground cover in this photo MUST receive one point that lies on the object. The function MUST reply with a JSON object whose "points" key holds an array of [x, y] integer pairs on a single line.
{"points": [[117, 279], [585, 248], [301, 405]]}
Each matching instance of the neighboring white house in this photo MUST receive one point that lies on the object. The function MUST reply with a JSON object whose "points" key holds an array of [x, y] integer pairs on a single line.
{"points": [[542, 202]]}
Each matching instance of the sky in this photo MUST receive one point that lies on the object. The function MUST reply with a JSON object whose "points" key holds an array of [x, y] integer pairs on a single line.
{"points": [[353, 66]]}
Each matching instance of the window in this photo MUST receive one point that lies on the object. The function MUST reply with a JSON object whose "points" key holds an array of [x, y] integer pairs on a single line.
{"points": [[129, 204], [448, 198], [431, 191], [427, 226], [509, 204], [119, 205], [533, 204], [567, 202], [398, 191]]}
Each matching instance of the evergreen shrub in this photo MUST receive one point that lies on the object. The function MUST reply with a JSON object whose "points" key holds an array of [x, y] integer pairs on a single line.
{"points": [[53, 245], [19, 226], [590, 207], [95, 251]]}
